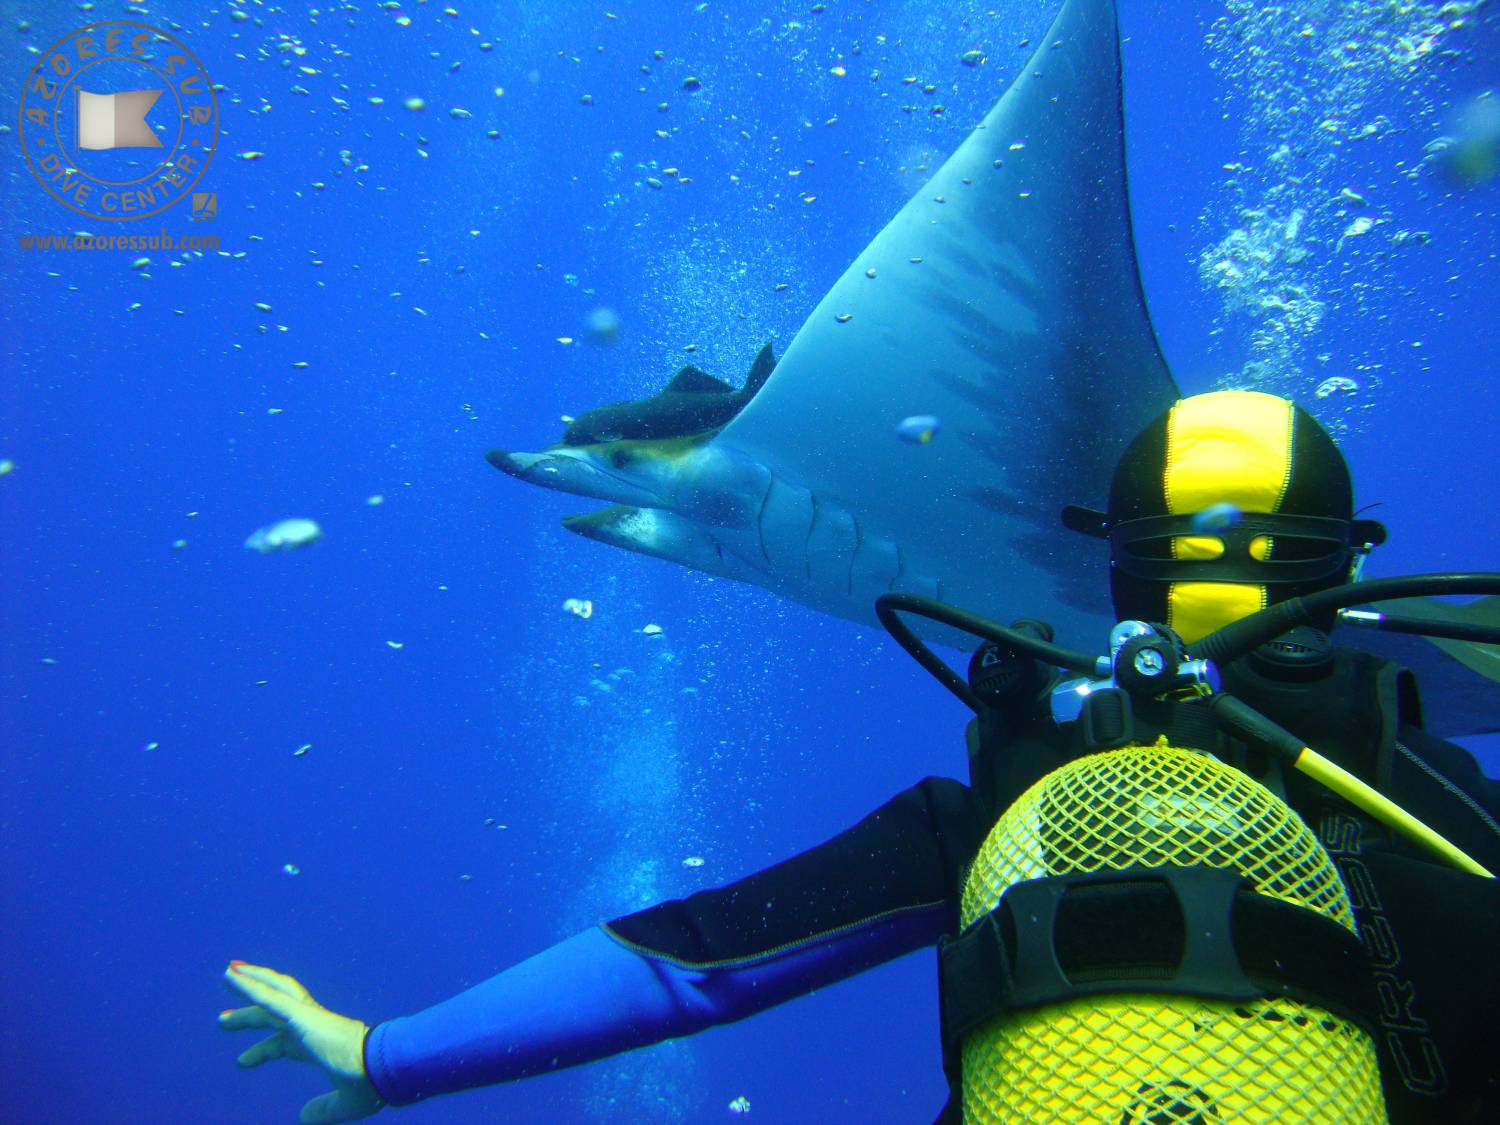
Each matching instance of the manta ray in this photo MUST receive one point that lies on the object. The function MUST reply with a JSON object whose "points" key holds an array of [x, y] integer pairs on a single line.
{"points": [[1004, 299]]}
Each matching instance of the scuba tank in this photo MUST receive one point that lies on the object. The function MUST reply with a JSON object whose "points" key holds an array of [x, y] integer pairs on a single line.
{"points": [[1127, 1001], [1150, 935]]}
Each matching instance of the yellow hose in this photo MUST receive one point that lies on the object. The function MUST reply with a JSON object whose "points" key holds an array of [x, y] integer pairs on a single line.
{"points": [[1369, 800]]}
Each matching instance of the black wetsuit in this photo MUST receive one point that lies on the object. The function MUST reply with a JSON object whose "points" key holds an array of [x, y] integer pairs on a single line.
{"points": [[1432, 933]]}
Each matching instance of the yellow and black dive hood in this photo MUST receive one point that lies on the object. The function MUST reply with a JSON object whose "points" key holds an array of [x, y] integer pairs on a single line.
{"points": [[1228, 502]]}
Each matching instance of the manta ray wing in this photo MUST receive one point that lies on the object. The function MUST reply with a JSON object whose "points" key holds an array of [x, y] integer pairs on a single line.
{"points": [[1461, 674], [1003, 299]]}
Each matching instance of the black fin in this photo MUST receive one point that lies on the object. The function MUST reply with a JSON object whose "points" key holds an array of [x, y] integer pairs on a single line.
{"points": [[690, 380], [760, 371]]}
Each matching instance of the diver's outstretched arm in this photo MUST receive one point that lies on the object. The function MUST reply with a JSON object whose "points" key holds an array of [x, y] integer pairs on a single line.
{"points": [[306, 1031], [878, 890], [883, 888]]}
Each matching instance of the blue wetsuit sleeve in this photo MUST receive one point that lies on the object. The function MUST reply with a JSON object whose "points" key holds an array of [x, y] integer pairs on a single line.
{"points": [[869, 895], [591, 996]]}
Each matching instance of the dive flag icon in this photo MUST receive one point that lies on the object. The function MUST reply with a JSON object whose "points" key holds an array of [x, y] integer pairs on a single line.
{"points": [[116, 120]]}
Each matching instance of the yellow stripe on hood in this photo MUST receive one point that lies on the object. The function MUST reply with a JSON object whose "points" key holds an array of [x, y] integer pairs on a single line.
{"points": [[1227, 447]]}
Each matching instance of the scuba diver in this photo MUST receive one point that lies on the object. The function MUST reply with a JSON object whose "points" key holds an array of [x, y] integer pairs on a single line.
{"points": [[1153, 902]]}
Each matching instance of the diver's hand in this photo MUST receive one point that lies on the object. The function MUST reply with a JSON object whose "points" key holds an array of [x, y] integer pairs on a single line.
{"points": [[308, 1032]]}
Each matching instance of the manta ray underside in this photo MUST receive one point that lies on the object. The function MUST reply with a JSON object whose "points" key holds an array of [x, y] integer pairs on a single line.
{"points": [[1004, 299]]}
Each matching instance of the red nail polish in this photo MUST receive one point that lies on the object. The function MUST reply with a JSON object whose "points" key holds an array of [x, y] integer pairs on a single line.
{"points": [[225, 1012], [234, 966]]}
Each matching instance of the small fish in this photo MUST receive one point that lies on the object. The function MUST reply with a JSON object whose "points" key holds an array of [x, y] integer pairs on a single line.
{"points": [[919, 429], [1216, 517]]}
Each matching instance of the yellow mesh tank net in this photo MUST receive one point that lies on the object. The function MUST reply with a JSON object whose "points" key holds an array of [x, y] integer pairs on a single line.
{"points": [[1138, 1059]]}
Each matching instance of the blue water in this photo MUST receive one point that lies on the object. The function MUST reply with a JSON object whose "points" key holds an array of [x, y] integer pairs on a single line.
{"points": [[153, 696]]}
